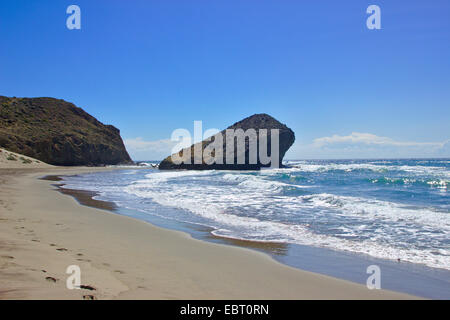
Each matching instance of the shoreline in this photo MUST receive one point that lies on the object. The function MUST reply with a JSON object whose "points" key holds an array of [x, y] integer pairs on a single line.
{"points": [[405, 277], [86, 198], [125, 258]]}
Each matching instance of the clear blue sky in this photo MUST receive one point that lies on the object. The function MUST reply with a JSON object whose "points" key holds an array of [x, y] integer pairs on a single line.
{"points": [[149, 67]]}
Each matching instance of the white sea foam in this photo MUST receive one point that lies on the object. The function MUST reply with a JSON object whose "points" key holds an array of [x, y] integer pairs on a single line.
{"points": [[270, 205], [415, 170], [251, 206], [376, 210], [301, 235]]}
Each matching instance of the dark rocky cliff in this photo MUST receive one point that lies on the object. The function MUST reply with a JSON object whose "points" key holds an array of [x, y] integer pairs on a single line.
{"points": [[58, 132], [256, 122]]}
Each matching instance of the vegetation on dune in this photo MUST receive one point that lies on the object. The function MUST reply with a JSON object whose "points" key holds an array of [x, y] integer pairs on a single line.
{"points": [[11, 157]]}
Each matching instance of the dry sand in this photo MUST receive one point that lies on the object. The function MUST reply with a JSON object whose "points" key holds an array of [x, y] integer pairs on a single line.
{"points": [[12, 160], [42, 232]]}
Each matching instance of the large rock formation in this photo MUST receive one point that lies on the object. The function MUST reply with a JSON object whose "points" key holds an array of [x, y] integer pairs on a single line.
{"points": [[256, 122], [59, 133]]}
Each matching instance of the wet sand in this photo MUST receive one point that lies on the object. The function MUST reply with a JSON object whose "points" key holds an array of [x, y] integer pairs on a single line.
{"points": [[42, 232]]}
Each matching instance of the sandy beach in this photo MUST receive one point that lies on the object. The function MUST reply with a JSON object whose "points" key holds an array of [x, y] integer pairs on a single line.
{"points": [[42, 232]]}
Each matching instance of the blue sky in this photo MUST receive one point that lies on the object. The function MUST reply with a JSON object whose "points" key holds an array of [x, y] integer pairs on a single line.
{"points": [[149, 67]]}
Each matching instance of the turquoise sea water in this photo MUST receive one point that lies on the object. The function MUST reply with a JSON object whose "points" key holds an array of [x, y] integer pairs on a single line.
{"points": [[389, 209], [329, 216]]}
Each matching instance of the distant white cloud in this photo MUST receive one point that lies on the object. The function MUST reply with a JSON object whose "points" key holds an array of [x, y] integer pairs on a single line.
{"points": [[354, 145], [368, 145], [370, 139], [141, 149], [139, 144]]}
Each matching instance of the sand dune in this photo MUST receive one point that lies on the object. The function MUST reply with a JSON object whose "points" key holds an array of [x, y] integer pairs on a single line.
{"points": [[12, 160]]}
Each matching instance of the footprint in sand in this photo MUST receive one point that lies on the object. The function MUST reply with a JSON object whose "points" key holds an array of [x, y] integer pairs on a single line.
{"points": [[5, 262], [119, 271], [87, 287], [84, 260], [51, 279], [61, 249]]}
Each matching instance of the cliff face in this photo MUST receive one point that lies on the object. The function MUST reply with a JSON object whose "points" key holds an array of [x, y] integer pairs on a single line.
{"points": [[256, 122], [59, 133]]}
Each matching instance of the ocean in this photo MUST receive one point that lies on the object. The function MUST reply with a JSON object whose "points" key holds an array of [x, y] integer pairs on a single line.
{"points": [[387, 211]]}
